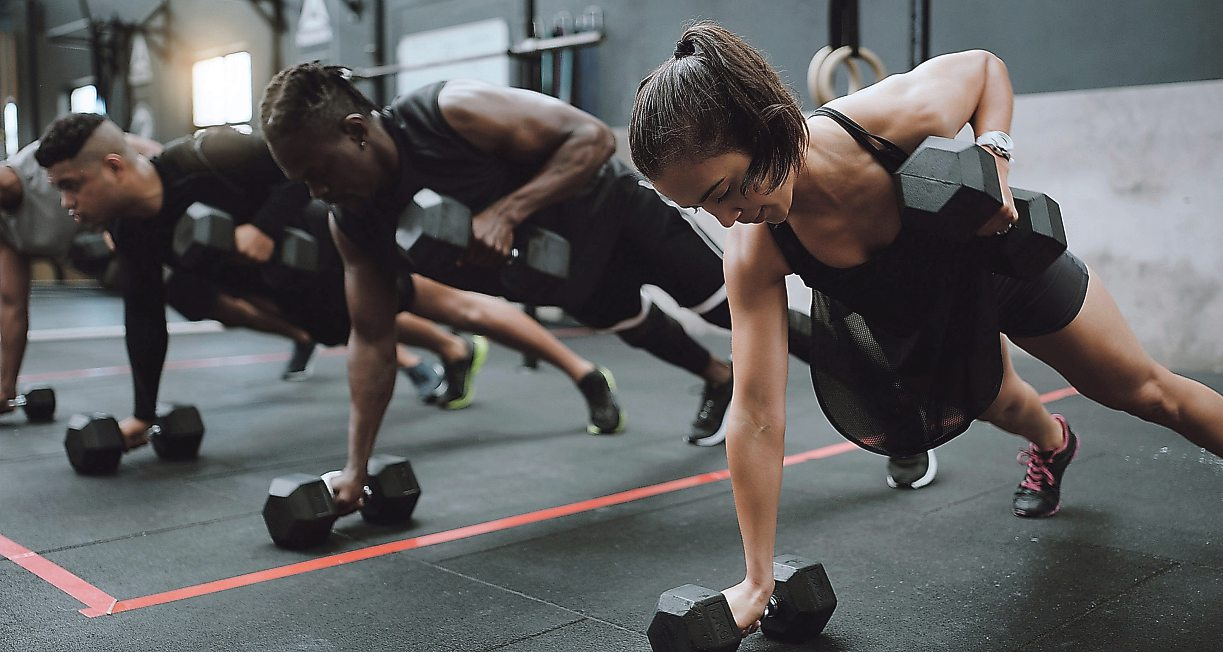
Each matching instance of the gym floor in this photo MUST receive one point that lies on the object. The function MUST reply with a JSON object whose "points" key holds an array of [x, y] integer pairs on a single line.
{"points": [[532, 535]]}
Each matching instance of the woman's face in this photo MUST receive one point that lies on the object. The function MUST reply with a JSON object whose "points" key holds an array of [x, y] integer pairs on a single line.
{"points": [[713, 184], [337, 170]]}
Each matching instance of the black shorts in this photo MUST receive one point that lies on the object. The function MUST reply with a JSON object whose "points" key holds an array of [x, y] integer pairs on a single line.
{"points": [[657, 246], [315, 305], [1044, 304]]}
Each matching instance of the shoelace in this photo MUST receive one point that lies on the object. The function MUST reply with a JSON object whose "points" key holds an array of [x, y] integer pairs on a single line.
{"points": [[1038, 476]]}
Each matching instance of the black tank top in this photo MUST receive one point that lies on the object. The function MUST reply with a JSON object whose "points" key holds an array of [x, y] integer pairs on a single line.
{"points": [[433, 155], [904, 347]]}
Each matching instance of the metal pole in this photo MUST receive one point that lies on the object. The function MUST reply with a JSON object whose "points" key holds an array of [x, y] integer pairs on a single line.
{"points": [[531, 71], [925, 30]]}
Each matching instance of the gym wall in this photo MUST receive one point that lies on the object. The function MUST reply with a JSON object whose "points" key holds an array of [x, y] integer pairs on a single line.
{"points": [[1049, 45], [1114, 116]]}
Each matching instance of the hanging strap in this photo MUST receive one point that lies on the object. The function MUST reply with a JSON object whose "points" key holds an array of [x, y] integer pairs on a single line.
{"points": [[889, 155]]}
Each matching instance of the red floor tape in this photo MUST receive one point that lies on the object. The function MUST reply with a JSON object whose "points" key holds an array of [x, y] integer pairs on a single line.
{"points": [[99, 603]]}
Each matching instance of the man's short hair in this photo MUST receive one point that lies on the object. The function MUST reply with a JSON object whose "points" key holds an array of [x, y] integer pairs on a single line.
{"points": [[65, 137]]}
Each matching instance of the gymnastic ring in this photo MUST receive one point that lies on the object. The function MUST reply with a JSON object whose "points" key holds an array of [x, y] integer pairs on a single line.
{"points": [[815, 69], [844, 53]]}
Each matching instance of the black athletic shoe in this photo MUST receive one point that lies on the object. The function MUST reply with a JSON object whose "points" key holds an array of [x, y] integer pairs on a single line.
{"points": [[709, 428], [913, 472], [429, 379], [301, 363], [599, 388], [1040, 493], [461, 376]]}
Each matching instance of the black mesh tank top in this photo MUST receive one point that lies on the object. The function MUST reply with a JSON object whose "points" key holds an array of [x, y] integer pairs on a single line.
{"points": [[904, 347]]}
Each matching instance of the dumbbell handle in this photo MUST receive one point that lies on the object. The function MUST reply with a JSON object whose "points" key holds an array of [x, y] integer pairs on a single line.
{"points": [[772, 607], [330, 476], [18, 401]]}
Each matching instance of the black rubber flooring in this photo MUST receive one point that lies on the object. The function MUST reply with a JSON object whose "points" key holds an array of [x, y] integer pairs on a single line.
{"points": [[1133, 562]]}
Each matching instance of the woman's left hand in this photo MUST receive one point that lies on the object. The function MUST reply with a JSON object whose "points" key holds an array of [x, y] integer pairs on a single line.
{"points": [[1006, 217]]}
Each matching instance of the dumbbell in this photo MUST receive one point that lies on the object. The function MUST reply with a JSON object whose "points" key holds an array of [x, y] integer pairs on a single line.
{"points": [[95, 443], [692, 618], [951, 187], [438, 233], [300, 510], [89, 253], [38, 403], [206, 233]]}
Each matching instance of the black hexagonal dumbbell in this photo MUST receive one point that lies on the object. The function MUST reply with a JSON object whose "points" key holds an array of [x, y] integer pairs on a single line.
{"points": [[1033, 243], [205, 233], [95, 444], [38, 404], [951, 187], [300, 512], [802, 601], [90, 253], [691, 618], [436, 233]]}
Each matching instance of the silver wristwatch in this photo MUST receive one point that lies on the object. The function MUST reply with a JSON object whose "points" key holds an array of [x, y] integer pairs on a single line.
{"points": [[997, 142]]}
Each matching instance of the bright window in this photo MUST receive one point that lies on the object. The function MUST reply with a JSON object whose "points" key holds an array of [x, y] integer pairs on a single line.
{"points": [[10, 129], [221, 90], [84, 99]]}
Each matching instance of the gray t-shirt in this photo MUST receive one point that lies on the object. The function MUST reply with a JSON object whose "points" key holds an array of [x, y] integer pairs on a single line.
{"points": [[39, 226]]}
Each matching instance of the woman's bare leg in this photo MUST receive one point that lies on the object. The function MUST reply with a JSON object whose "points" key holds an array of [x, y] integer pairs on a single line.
{"points": [[1101, 357]]}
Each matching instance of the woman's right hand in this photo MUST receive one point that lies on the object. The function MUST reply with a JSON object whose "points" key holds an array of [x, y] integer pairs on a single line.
{"points": [[747, 602]]}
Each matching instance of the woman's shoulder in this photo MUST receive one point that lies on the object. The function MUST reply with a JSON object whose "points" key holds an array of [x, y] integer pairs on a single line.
{"points": [[751, 251]]}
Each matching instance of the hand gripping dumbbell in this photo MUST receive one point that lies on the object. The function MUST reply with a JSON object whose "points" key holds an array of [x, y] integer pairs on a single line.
{"points": [[89, 253], [95, 443], [951, 187], [38, 403], [692, 618], [300, 509], [437, 234], [206, 233]]}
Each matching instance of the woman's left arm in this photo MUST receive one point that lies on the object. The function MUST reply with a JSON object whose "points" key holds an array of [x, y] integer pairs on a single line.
{"points": [[936, 98]]}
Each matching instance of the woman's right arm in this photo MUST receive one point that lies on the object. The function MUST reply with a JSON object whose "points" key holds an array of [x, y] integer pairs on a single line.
{"points": [[755, 442]]}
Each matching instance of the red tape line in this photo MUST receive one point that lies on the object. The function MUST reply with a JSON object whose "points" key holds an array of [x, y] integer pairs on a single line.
{"points": [[99, 603], [454, 535]]}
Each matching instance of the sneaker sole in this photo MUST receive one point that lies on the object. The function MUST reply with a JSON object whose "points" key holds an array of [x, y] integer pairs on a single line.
{"points": [[1027, 515], [611, 385], [297, 376], [595, 430], [480, 351], [923, 481], [716, 439]]}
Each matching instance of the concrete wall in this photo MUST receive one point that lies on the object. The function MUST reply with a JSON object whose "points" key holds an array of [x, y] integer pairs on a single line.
{"points": [[1049, 45], [1137, 172]]}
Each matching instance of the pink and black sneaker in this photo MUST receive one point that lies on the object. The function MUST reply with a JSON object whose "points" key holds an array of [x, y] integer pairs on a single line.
{"points": [[1040, 493]]}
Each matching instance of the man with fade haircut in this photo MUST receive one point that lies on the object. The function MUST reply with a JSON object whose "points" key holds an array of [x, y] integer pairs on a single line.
{"points": [[32, 225]]}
